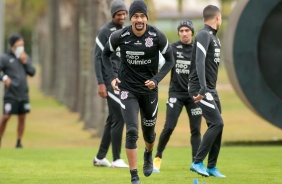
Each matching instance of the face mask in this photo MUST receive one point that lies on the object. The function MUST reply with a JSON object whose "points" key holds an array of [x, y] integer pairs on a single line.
{"points": [[19, 50]]}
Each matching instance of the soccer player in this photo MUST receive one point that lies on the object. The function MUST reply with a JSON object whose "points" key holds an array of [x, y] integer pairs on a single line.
{"points": [[178, 94], [137, 80], [202, 88], [114, 124], [15, 66]]}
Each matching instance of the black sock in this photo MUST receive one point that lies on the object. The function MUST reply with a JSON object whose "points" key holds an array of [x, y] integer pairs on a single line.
{"points": [[134, 173], [159, 154], [19, 141]]}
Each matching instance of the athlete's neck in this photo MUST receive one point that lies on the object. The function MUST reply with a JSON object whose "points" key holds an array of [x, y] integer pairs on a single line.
{"points": [[139, 33]]}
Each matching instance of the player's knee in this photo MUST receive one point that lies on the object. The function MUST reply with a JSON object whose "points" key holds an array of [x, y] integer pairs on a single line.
{"points": [[131, 138], [168, 131], [149, 138]]}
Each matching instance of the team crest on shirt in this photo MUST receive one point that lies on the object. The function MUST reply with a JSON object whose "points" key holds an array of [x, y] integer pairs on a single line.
{"points": [[149, 42], [124, 95]]}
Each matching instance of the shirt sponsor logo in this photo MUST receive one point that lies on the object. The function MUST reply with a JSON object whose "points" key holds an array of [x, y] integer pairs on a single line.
{"points": [[181, 66], [217, 55], [152, 33], [149, 122], [124, 34], [133, 58], [149, 42], [179, 46], [196, 111]]}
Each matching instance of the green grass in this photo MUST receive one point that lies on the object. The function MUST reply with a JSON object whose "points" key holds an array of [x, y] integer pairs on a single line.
{"points": [[58, 150], [250, 165]]}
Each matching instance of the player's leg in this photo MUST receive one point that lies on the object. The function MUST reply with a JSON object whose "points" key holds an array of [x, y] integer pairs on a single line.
{"points": [[116, 128], [173, 109], [215, 149], [130, 110], [24, 108], [100, 159], [215, 125], [10, 107], [195, 117], [148, 111]]}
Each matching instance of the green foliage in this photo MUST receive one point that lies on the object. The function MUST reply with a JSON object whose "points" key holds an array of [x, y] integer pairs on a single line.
{"points": [[21, 16]]}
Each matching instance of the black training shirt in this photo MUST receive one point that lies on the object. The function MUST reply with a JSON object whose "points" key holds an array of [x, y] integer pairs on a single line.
{"points": [[180, 72], [139, 58], [205, 61]]}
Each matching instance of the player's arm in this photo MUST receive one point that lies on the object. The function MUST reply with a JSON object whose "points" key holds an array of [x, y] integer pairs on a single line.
{"points": [[100, 41], [166, 51], [202, 41], [3, 77], [30, 70], [110, 47]]}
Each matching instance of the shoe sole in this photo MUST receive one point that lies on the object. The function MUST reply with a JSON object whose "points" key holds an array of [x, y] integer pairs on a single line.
{"points": [[193, 170]]}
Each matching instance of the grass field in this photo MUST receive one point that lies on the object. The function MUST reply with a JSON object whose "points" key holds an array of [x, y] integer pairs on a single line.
{"points": [[58, 150]]}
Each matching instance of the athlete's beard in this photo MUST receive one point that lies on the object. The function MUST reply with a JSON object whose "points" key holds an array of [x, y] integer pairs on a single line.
{"points": [[139, 29]]}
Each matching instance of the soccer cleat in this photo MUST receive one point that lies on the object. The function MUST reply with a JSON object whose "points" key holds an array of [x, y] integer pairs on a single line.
{"points": [[148, 163], [119, 163], [199, 168], [19, 145], [215, 172], [102, 163], [135, 180], [157, 164]]}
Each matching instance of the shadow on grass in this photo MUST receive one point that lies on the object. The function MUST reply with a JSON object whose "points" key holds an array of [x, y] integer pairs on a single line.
{"points": [[253, 143]]}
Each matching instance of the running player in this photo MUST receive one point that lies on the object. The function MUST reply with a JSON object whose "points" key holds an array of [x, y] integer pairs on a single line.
{"points": [[137, 80]]}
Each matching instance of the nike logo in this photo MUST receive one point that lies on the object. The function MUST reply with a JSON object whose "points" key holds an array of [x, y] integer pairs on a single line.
{"points": [[153, 101], [127, 42]]}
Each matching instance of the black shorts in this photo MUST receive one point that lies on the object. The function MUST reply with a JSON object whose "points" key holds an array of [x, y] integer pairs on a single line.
{"points": [[16, 107]]}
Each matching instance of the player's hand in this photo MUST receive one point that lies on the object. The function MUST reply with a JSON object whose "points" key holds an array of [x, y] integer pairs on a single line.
{"points": [[23, 58], [198, 98], [150, 84], [102, 90], [115, 85], [7, 82]]}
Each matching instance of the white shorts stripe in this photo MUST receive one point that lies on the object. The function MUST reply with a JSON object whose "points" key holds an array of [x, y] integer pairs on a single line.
{"points": [[207, 104], [112, 96], [99, 44], [154, 113], [200, 46]]}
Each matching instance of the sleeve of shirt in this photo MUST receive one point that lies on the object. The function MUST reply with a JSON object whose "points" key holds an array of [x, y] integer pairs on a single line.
{"points": [[30, 70], [202, 41], [101, 41], [110, 47], [1, 68], [166, 51]]}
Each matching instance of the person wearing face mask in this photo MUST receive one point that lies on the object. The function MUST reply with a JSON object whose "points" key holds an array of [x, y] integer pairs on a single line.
{"points": [[114, 125], [15, 66]]}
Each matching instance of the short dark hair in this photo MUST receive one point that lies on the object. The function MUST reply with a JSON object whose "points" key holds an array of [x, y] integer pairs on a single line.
{"points": [[210, 12]]}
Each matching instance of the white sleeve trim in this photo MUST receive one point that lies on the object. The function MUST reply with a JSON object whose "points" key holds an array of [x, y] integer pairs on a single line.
{"points": [[99, 43], [200, 46], [111, 47], [165, 48]]}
